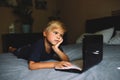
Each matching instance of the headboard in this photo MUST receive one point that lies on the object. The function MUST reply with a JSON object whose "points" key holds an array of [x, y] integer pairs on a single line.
{"points": [[98, 24]]}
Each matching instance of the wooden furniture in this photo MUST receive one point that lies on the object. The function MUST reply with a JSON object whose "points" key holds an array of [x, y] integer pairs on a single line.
{"points": [[98, 24], [21, 39]]}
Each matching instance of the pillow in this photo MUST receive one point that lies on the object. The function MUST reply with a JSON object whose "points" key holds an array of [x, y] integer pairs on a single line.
{"points": [[116, 39], [79, 40], [107, 34], [73, 51]]}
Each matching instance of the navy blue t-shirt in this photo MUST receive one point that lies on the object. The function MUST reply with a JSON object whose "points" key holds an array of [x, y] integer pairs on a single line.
{"points": [[38, 52]]}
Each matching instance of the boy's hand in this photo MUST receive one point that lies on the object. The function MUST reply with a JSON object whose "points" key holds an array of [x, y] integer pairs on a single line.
{"points": [[62, 64], [57, 45]]}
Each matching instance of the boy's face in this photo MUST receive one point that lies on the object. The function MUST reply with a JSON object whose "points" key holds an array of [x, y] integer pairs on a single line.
{"points": [[54, 35]]}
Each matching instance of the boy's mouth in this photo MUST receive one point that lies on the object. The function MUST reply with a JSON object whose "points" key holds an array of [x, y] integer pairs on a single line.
{"points": [[56, 41]]}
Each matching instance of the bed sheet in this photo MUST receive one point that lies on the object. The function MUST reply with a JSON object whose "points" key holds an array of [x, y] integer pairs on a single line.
{"points": [[12, 68]]}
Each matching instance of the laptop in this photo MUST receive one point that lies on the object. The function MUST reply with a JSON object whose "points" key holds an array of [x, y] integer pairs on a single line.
{"points": [[92, 54]]}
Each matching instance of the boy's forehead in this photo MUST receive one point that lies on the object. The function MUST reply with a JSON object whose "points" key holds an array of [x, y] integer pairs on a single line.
{"points": [[60, 30], [56, 27]]}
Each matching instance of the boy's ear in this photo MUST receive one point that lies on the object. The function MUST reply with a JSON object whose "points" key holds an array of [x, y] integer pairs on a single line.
{"points": [[44, 33]]}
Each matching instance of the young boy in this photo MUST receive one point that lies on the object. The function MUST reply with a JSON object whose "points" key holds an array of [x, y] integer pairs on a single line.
{"points": [[47, 47]]}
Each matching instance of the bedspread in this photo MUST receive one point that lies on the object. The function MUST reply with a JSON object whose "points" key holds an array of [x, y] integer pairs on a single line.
{"points": [[12, 68]]}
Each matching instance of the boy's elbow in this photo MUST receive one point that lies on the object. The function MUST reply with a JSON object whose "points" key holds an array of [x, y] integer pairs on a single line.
{"points": [[30, 68], [31, 65]]}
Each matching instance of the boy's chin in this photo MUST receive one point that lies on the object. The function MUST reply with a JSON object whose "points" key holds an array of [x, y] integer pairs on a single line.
{"points": [[54, 44]]}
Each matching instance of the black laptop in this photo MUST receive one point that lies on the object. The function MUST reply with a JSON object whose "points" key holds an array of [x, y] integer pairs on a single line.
{"points": [[92, 52]]}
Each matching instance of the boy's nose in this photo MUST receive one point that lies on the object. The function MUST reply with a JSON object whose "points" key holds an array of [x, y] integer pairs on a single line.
{"points": [[58, 36]]}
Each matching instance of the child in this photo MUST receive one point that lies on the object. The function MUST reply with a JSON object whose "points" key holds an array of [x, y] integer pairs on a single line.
{"points": [[47, 47]]}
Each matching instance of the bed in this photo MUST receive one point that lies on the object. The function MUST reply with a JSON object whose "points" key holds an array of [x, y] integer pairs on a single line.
{"points": [[12, 68]]}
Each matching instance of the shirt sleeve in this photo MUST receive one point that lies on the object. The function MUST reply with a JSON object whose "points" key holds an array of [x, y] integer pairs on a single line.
{"points": [[36, 50]]}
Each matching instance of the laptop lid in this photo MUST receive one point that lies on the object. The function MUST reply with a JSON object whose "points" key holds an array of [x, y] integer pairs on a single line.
{"points": [[92, 50]]}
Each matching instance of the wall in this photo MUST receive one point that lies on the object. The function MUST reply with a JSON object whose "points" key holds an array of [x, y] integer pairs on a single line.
{"points": [[76, 12], [40, 18], [6, 18]]}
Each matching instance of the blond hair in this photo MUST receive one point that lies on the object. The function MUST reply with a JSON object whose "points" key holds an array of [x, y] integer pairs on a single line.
{"points": [[55, 24]]}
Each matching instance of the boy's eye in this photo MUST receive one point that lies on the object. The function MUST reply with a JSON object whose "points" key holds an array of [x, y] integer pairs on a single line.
{"points": [[61, 35], [58, 33], [55, 32]]}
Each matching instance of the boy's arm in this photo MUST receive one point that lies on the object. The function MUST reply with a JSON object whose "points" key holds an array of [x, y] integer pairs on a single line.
{"points": [[60, 53], [42, 65]]}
